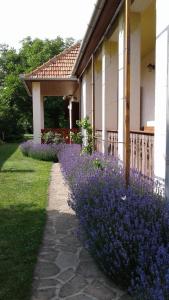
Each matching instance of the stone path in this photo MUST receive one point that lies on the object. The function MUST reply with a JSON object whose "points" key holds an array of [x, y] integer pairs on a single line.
{"points": [[64, 269]]}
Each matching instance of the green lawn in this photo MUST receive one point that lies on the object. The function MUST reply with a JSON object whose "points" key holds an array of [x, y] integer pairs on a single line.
{"points": [[23, 198]]}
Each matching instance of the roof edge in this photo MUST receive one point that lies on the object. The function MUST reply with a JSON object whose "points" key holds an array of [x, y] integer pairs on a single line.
{"points": [[71, 78]]}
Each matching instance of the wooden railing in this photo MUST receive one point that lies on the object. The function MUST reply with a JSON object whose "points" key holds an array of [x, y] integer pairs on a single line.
{"points": [[98, 140], [112, 138], [112, 141], [141, 145], [142, 152]]}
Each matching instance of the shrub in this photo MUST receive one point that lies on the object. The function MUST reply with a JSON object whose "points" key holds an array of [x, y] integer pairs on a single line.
{"points": [[51, 137], [125, 229], [46, 152], [87, 139], [76, 137]]}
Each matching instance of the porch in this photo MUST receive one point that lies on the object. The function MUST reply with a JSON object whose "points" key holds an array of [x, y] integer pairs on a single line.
{"points": [[54, 78], [103, 88]]}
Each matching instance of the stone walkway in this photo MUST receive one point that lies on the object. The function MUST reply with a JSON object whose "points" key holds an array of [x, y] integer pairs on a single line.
{"points": [[64, 269]]}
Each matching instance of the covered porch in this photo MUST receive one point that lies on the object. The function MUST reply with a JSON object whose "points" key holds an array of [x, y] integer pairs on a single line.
{"points": [[103, 84], [54, 78]]}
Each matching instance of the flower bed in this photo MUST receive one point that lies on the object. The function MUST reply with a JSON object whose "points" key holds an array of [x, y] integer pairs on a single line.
{"points": [[46, 152], [125, 229]]}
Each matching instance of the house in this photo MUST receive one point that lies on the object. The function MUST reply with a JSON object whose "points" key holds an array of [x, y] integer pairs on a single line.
{"points": [[119, 75]]}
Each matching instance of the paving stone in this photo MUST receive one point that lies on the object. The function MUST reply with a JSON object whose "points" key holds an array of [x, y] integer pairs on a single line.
{"points": [[72, 248], [47, 243], [66, 260], [98, 290], [45, 269], [84, 255], [71, 239], [88, 269], [66, 275], [46, 294], [80, 297], [49, 256], [74, 285], [46, 283]]}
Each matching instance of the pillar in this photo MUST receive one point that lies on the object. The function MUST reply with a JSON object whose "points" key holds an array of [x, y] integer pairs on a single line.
{"points": [[83, 105], [121, 94], [111, 85], [135, 69], [70, 113], [38, 112], [161, 147], [104, 98]]}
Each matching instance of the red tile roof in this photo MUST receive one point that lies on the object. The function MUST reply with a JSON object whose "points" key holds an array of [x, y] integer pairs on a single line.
{"points": [[60, 66]]}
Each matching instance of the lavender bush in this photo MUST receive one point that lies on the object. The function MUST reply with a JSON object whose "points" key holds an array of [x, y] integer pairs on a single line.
{"points": [[125, 229], [46, 152]]}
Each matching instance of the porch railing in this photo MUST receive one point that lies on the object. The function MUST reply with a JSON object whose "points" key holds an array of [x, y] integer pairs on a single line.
{"points": [[142, 152], [141, 146]]}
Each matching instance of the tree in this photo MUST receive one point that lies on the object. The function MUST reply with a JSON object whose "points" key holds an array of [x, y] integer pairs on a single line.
{"points": [[15, 104]]}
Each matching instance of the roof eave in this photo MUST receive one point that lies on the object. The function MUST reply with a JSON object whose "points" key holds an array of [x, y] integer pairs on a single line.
{"points": [[71, 78], [25, 85]]}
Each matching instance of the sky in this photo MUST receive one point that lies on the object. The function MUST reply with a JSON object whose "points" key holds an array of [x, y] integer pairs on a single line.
{"points": [[43, 19]]}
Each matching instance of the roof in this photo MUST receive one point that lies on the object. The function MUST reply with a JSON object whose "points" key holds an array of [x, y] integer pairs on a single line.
{"points": [[58, 67]]}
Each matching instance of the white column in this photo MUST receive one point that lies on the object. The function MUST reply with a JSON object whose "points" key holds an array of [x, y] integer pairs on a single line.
{"points": [[111, 85], [70, 113], [121, 96], [135, 60], [161, 150], [38, 112], [83, 104], [42, 111], [104, 96], [84, 94]]}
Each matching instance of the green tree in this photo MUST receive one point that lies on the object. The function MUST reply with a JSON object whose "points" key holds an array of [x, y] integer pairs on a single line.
{"points": [[15, 104]]}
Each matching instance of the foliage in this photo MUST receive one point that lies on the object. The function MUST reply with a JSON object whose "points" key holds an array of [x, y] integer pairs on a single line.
{"points": [[76, 137], [23, 198], [85, 138], [51, 137], [46, 152], [125, 229], [54, 111], [15, 104]]}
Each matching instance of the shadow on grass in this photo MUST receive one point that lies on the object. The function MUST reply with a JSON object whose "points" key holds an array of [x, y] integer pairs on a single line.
{"points": [[21, 230], [6, 151]]}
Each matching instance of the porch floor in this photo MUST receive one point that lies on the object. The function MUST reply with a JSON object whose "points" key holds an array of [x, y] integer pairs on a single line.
{"points": [[64, 269]]}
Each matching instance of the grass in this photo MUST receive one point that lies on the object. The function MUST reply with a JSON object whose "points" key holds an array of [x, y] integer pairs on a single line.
{"points": [[23, 197]]}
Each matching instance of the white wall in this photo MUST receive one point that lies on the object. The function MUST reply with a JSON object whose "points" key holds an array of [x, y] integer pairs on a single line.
{"points": [[147, 90], [161, 153]]}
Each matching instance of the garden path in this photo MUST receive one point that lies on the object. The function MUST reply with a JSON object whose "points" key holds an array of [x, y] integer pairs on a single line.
{"points": [[64, 269]]}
